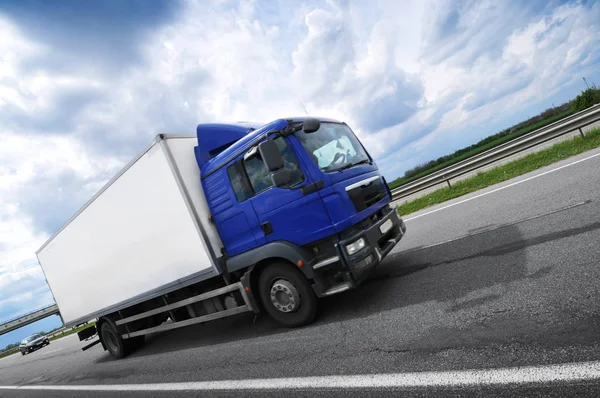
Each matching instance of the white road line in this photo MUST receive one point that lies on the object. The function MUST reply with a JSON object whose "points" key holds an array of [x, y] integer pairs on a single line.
{"points": [[561, 373], [504, 187]]}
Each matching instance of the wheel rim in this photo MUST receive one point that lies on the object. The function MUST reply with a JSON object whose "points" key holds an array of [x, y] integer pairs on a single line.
{"points": [[110, 340], [284, 296]]}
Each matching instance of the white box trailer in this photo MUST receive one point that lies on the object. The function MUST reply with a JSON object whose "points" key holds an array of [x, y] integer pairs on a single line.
{"points": [[144, 254], [146, 233]]}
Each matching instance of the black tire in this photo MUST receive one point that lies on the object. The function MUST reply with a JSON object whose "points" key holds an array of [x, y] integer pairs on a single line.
{"points": [[112, 340], [115, 344], [22, 353], [306, 309]]}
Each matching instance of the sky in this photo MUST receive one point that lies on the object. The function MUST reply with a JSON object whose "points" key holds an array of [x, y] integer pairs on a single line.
{"points": [[85, 85]]}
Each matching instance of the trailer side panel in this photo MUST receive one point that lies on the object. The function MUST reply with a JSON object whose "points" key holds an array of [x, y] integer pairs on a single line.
{"points": [[136, 236]]}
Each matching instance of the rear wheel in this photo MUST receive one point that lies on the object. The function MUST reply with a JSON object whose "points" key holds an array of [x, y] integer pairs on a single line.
{"points": [[286, 295], [115, 344]]}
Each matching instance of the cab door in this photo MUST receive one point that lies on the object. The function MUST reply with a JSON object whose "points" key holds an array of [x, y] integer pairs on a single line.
{"points": [[293, 213], [232, 210]]}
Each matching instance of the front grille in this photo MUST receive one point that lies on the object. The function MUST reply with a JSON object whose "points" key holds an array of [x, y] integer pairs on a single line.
{"points": [[365, 196]]}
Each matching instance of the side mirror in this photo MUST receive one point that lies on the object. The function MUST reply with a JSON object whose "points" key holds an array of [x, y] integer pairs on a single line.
{"points": [[270, 155], [311, 125], [281, 177]]}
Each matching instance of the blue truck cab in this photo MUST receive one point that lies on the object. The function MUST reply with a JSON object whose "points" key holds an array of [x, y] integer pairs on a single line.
{"points": [[302, 198]]}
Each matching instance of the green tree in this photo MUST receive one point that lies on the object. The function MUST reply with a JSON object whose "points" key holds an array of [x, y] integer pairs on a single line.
{"points": [[10, 346], [587, 98]]}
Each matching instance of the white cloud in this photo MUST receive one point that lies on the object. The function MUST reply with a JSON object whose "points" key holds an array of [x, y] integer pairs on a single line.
{"points": [[33, 195], [32, 165], [232, 59], [22, 283], [338, 72], [24, 290]]}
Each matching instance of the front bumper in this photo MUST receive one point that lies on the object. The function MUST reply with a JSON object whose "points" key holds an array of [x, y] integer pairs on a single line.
{"points": [[37, 346], [344, 271], [378, 245]]}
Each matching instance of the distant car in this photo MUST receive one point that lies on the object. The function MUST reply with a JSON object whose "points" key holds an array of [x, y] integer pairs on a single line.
{"points": [[33, 343]]}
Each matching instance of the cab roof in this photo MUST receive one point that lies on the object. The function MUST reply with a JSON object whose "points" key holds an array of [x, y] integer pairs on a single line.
{"points": [[226, 141]]}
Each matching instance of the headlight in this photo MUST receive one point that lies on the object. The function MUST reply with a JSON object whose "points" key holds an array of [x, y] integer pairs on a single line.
{"points": [[355, 246]]}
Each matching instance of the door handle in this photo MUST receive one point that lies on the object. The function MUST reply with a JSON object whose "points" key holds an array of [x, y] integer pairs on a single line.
{"points": [[315, 186], [266, 227]]}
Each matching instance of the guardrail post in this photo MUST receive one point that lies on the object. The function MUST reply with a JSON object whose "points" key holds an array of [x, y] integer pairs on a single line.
{"points": [[581, 132], [448, 182]]}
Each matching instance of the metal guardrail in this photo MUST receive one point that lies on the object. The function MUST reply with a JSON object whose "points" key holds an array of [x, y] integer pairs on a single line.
{"points": [[564, 126], [9, 352], [57, 332]]}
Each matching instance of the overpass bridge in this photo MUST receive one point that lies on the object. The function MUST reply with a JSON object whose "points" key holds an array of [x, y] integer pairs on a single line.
{"points": [[23, 320]]}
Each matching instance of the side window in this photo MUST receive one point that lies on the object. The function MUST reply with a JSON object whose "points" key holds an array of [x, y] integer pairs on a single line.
{"points": [[290, 162], [237, 183], [260, 178], [257, 173]]}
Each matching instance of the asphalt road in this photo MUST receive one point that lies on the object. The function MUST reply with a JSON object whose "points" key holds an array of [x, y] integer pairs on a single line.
{"points": [[507, 279]]}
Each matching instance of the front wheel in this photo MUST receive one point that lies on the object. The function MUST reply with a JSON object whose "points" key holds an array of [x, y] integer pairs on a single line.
{"points": [[287, 296]]}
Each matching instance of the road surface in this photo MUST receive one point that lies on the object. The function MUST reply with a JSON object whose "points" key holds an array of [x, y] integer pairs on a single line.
{"points": [[504, 278]]}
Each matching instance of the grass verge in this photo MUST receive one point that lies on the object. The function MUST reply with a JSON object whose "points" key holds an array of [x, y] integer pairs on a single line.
{"points": [[71, 331], [482, 148], [5, 354], [505, 172]]}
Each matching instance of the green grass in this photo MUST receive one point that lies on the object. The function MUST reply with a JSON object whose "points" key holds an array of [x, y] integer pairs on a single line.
{"points": [[505, 172], [58, 336], [399, 182], [71, 331], [5, 354]]}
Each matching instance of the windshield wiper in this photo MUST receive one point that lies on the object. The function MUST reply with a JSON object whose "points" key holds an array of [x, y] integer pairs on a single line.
{"points": [[354, 164]]}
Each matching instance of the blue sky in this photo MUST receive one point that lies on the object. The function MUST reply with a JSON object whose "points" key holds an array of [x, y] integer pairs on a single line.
{"points": [[84, 85]]}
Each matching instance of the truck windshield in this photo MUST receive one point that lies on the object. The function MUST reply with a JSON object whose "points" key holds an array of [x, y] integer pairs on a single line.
{"points": [[333, 147]]}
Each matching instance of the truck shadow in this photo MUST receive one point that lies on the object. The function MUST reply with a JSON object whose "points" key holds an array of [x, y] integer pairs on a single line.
{"points": [[465, 273], [448, 272]]}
